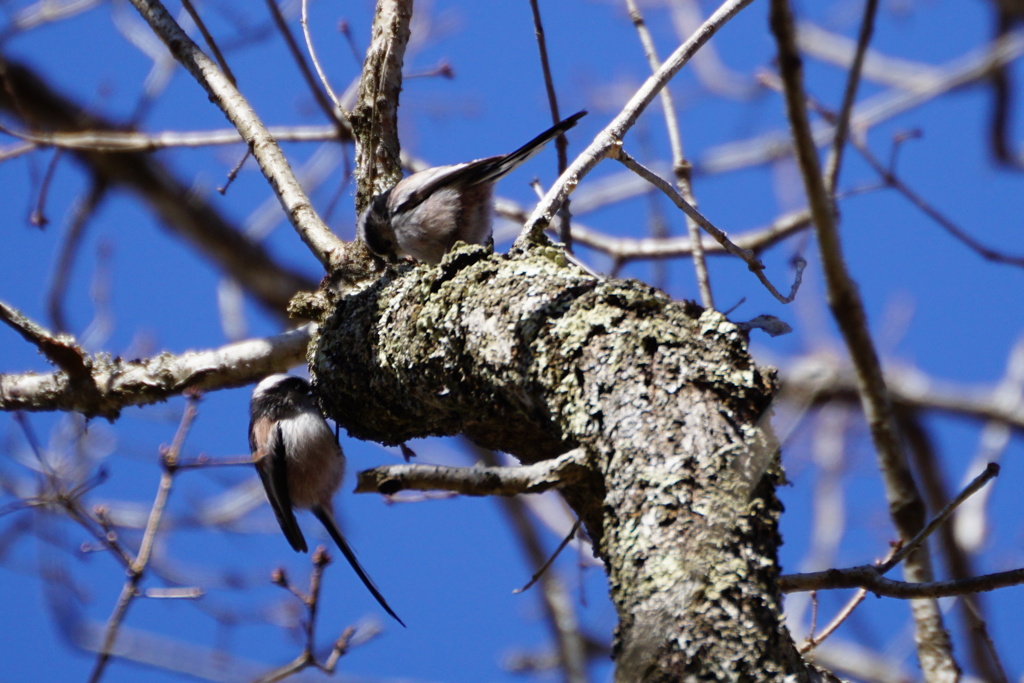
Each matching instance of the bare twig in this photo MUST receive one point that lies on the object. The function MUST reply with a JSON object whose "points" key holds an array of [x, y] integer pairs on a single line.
{"points": [[990, 472], [197, 221], [972, 67], [957, 552], [323, 243], [37, 217], [332, 111], [610, 138], [835, 158], [630, 248], [137, 569], [996, 671], [559, 612], [554, 556], [680, 164], [823, 380], [841, 616], [43, 13], [100, 140], [892, 180], [476, 481], [753, 263], [210, 42], [316, 62], [81, 213], [868, 577], [311, 601], [561, 144]]}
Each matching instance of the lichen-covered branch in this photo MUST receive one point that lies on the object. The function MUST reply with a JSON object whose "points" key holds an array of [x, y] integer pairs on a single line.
{"points": [[529, 355]]}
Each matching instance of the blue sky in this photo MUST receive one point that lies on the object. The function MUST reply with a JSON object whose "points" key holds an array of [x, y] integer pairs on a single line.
{"points": [[448, 567]]}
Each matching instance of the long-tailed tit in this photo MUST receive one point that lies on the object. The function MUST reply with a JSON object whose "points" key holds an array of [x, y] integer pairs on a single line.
{"points": [[300, 463], [424, 215]]}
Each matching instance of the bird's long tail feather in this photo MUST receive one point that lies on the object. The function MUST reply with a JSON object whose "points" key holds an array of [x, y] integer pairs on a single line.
{"points": [[326, 517]]}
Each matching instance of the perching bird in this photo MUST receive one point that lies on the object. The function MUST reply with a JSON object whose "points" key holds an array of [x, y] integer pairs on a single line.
{"points": [[300, 463], [424, 215]]}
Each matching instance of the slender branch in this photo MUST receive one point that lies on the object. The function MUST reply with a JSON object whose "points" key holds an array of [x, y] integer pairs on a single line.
{"points": [[311, 602], [906, 507], [869, 578], [195, 220], [551, 560], [835, 158], [476, 481], [137, 569], [99, 140], [43, 13], [324, 244], [38, 216], [117, 383], [210, 42], [82, 212], [630, 248], [753, 263], [316, 62], [892, 180], [842, 615], [972, 67], [561, 144], [333, 112], [558, 608], [680, 164], [609, 139], [549, 83], [991, 471], [822, 380]]}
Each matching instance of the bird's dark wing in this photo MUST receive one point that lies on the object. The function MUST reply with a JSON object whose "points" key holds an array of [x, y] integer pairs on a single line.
{"points": [[272, 466], [488, 169], [327, 518]]}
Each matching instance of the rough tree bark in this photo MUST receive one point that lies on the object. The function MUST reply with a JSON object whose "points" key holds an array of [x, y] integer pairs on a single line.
{"points": [[527, 354]]}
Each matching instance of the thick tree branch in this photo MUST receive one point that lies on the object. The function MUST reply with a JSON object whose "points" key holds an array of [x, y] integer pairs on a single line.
{"points": [[531, 356]]}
